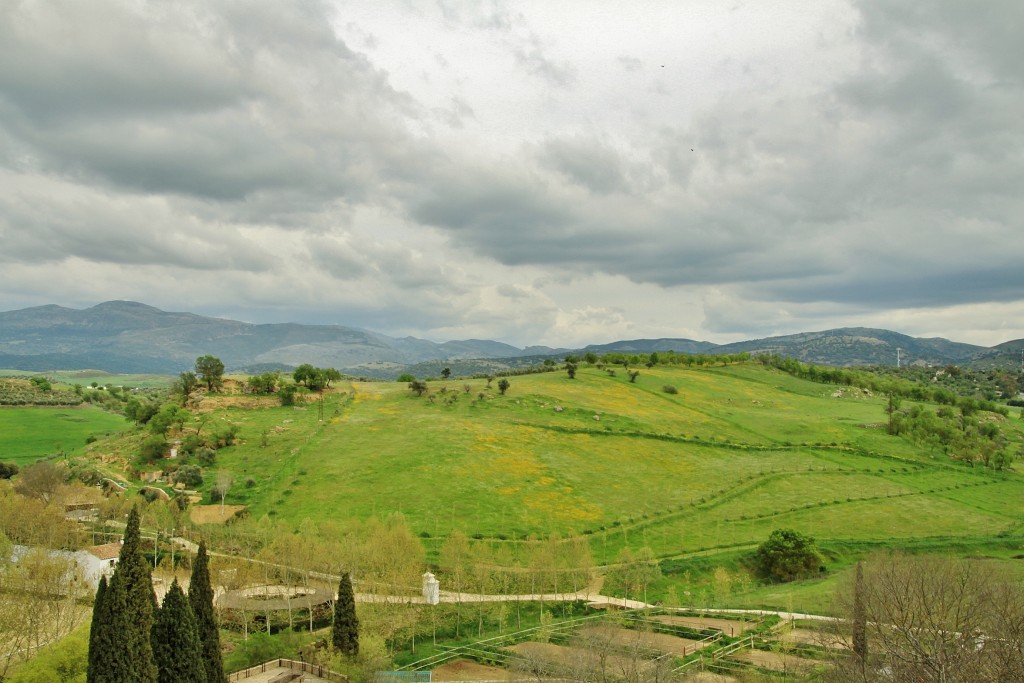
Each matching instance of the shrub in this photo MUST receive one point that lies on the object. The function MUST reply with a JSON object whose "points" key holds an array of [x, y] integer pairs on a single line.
{"points": [[189, 475], [191, 444], [226, 437], [287, 395], [787, 555], [206, 456], [153, 448], [669, 389]]}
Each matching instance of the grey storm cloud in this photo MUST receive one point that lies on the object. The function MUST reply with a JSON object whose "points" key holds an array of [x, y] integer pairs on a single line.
{"points": [[215, 100], [64, 220], [900, 176], [206, 135]]}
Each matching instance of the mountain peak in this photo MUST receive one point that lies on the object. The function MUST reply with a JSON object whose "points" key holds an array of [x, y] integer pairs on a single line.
{"points": [[124, 305]]}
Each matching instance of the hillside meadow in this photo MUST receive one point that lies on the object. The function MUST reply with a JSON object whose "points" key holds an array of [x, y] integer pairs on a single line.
{"points": [[668, 484], [737, 452], [30, 433]]}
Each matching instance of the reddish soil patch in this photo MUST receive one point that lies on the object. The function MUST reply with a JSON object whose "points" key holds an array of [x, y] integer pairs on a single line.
{"points": [[776, 661], [660, 642], [547, 650], [708, 677], [211, 514], [728, 627], [467, 670], [806, 636], [560, 661]]}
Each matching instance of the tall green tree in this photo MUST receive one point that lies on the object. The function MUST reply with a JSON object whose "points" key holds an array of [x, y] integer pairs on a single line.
{"points": [[186, 383], [345, 634], [132, 620], [305, 374], [200, 598], [100, 645], [211, 371], [177, 650]]}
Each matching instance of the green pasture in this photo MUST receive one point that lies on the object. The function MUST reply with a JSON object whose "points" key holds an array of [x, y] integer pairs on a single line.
{"points": [[30, 433], [737, 452], [87, 377]]}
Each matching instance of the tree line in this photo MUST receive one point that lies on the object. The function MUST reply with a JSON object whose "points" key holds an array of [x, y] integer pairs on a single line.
{"points": [[133, 640]]}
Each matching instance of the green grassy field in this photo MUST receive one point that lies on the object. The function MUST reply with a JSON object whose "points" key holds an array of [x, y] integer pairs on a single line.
{"points": [[738, 452], [27, 434], [101, 378]]}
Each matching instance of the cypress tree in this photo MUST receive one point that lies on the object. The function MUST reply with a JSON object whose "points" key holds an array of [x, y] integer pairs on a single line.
{"points": [[860, 630], [345, 634], [200, 598], [177, 649], [132, 611], [112, 660], [99, 636]]}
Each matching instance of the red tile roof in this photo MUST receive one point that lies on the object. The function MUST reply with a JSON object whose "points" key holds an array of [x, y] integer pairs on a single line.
{"points": [[107, 551]]}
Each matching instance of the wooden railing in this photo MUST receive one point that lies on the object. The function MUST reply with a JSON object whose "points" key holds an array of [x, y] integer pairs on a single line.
{"points": [[291, 665]]}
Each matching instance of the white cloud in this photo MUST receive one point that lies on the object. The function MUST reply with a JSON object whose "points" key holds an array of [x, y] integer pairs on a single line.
{"points": [[535, 172]]}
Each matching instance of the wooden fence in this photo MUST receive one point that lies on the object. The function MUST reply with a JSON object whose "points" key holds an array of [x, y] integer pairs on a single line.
{"points": [[291, 665]]}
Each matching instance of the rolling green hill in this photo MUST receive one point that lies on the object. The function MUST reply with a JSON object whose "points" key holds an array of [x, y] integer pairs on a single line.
{"points": [[737, 452]]}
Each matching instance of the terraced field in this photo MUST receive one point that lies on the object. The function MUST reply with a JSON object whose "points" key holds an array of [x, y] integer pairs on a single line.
{"points": [[736, 453]]}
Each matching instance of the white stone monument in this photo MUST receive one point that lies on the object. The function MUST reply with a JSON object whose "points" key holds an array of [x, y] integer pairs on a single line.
{"points": [[431, 589]]}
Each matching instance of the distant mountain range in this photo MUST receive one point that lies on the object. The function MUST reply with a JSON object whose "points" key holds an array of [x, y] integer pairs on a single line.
{"points": [[125, 336]]}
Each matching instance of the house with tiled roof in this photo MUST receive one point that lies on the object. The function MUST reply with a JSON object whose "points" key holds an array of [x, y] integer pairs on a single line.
{"points": [[99, 560]]}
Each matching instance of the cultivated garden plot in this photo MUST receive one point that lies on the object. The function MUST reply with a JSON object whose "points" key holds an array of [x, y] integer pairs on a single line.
{"points": [[708, 677], [644, 640], [560, 660], [468, 670], [777, 661], [728, 627], [806, 636]]}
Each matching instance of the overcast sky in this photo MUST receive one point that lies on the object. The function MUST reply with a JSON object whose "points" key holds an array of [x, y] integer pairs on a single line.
{"points": [[555, 173]]}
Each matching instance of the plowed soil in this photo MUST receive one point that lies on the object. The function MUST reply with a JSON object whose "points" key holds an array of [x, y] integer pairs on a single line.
{"points": [[467, 670], [727, 626]]}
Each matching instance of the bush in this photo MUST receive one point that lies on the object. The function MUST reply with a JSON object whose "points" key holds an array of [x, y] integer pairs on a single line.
{"points": [[206, 456], [787, 555], [153, 448], [8, 470], [191, 444], [189, 475], [258, 648], [226, 437], [669, 389], [287, 395]]}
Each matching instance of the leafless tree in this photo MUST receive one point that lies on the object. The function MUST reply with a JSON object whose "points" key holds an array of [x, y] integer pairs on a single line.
{"points": [[932, 619], [40, 480]]}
